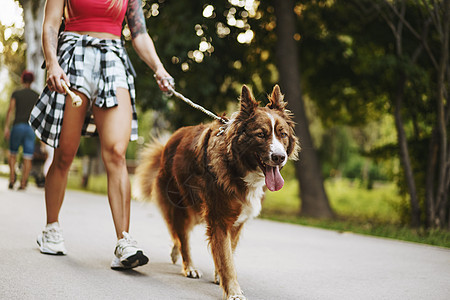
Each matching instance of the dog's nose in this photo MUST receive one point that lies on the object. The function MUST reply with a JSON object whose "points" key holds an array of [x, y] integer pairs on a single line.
{"points": [[278, 158]]}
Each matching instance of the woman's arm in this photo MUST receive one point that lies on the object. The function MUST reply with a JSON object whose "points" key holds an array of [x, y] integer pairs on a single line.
{"points": [[11, 108], [52, 20], [143, 44]]}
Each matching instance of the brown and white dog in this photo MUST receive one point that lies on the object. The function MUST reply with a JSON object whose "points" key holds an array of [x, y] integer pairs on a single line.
{"points": [[217, 174]]}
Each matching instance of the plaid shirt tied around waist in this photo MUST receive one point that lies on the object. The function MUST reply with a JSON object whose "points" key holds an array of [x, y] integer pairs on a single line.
{"points": [[47, 115]]}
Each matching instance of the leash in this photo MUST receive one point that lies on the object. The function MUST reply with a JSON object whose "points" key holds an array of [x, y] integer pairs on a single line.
{"points": [[194, 105]]}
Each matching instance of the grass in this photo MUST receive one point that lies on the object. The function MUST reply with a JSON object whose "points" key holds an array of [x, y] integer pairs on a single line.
{"points": [[439, 238], [370, 212], [96, 184], [347, 199], [358, 210]]}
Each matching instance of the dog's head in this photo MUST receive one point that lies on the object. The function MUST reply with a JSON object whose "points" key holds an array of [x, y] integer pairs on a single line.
{"points": [[263, 138]]}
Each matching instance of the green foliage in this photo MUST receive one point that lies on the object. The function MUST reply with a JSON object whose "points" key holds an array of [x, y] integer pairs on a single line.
{"points": [[12, 62], [97, 184], [433, 237], [350, 72], [333, 64], [348, 199], [89, 146], [342, 153], [353, 70], [12, 49], [349, 69], [378, 212], [211, 77], [418, 151]]}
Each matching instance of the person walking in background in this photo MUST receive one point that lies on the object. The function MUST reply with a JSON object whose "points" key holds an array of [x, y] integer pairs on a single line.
{"points": [[21, 134], [37, 166], [89, 56]]}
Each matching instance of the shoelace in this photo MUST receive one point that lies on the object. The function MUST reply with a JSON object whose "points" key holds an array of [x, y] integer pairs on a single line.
{"points": [[128, 238], [126, 241], [53, 235]]}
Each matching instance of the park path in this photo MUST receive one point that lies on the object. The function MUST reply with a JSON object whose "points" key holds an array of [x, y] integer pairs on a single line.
{"points": [[274, 260]]}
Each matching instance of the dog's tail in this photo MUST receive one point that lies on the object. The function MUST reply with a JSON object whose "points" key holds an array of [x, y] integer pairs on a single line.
{"points": [[148, 168]]}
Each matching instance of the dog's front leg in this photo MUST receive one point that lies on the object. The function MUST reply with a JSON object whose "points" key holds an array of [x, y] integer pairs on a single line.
{"points": [[221, 248], [235, 233]]}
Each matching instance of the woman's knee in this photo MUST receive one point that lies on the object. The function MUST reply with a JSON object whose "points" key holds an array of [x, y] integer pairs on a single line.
{"points": [[115, 155], [63, 159]]}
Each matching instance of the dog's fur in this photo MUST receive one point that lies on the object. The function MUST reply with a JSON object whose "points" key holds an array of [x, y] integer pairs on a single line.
{"points": [[217, 174]]}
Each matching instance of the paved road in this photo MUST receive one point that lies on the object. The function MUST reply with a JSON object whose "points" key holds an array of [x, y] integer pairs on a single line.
{"points": [[274, 260]]}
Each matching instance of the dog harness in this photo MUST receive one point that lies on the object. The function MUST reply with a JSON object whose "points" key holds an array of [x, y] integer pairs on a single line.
{"points": [[47, 115]]}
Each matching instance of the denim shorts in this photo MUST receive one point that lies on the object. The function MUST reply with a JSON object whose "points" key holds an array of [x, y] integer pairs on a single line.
{"points": [[22, 135], [91, 73]]}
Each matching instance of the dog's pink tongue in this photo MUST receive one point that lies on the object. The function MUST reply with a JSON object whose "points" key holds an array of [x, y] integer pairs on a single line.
{"points": [[274, 180]]}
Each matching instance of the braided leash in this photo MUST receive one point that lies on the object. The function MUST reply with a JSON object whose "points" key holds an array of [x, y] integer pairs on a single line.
{"points": [[191, 103]]}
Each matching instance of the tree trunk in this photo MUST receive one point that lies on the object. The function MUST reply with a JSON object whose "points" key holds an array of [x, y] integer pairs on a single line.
{"points": [[396, 27], [442, 126], [33, 14], [404, 154], [314, 201], [438, 172], [430, 179]]}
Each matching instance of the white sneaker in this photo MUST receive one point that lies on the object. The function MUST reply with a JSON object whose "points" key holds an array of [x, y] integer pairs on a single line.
{"points": [[51, 240], [127, 254]]}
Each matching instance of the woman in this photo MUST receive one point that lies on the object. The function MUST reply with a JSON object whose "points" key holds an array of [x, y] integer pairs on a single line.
{"points": [[90, 58]]}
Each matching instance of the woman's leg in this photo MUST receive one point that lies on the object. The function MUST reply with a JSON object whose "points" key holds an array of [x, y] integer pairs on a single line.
{"points": [[12, 169], [114, 128], [28, 151], [26, 168], [56, 179], [14, 144]]}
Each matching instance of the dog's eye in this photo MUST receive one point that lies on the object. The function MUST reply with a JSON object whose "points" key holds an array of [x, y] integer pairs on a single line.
{"points": [[283, 135], [261, 135]]}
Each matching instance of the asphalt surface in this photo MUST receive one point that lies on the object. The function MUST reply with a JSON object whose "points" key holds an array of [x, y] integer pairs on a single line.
{"points": [[274, 260]]}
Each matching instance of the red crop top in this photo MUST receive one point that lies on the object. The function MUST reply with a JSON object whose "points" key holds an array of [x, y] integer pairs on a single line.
{"points": [[94, 15]]}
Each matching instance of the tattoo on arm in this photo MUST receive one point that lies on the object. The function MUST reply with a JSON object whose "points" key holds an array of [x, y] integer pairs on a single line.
{"points": [[53, 39], [135, 18]]}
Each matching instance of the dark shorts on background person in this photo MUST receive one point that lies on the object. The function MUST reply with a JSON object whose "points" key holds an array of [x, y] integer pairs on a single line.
{"points": [[22, 135]]}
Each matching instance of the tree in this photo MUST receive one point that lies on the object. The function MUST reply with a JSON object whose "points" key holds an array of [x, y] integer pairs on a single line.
{"points": [[12, 58], [33, 12], [312, 192], [214, 78], [436, 46], [391, 58], [198, 43], [398, 99]]}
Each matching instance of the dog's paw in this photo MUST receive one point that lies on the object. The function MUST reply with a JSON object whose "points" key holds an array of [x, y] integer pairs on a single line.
{"points": [[216, 278], [236, 297], [192, 273], [175, 254]]}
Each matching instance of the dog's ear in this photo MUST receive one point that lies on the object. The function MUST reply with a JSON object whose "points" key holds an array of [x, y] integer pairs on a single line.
{"points": [[248, 104], [276, 99]]}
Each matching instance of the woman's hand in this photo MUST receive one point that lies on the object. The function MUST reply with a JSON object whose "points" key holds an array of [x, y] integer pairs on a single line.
{"points": [[54, 76], [164, 79], [7, 133]]}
